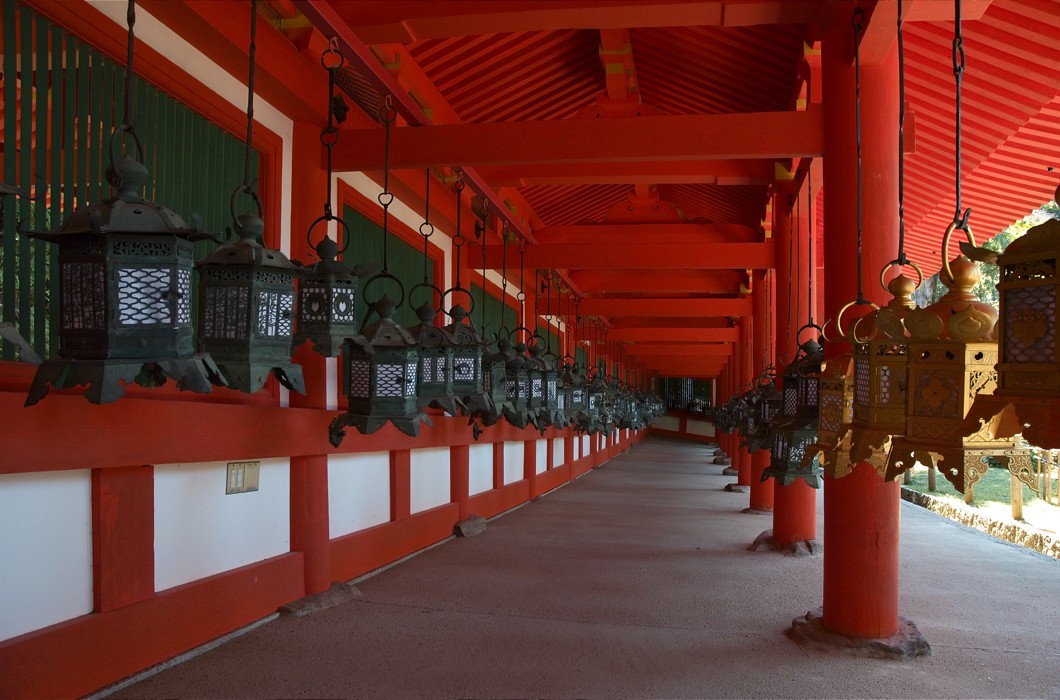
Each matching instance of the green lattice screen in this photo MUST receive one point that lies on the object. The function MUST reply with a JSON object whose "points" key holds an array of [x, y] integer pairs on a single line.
{"points": [[62, 99]]}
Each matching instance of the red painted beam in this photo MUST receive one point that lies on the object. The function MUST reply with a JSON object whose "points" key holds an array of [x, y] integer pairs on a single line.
{"points": [[704, 256], [390, 22], [648, 352], [610, 234], [710, 172], [691, 335], [616, 139], [596, 282], [667, 308]]}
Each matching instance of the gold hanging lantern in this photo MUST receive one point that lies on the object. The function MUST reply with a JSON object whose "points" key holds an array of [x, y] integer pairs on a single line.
{"points": [[1026, 400], [952, 357], [880, 355]]}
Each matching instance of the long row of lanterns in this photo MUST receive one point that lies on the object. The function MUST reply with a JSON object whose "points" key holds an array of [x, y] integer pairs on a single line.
{"points": [[125, 287]]}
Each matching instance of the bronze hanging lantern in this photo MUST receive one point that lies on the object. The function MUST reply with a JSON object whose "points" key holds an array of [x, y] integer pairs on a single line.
{"points": [[835, 413], [516, 382], [795, 430], [382, 364], [435, 374], [1029, 351], [383, 371], [469, 346], [952, 359], [327, 289], [125, 287], [246, 291]]}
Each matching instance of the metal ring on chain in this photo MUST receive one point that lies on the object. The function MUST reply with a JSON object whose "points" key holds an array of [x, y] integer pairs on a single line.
{"points": [[386, 198], [328, 217], [429, 227], [946, 246], [897, 263], [332, 58]]}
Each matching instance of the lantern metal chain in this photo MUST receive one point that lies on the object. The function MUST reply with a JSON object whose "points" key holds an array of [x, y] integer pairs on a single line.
{"points": [[332, 60], [521, 296], [504, 274], [480, 229], [458, 237], [130, 75], [388, 115], [548, 311], [960, 218], [901, 259], [859, 16], [426, 228], [809, 246], [252, 50], [791, 238]]}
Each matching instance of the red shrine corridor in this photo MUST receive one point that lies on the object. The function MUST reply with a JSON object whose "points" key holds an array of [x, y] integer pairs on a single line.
{"points": [[635, 581]]}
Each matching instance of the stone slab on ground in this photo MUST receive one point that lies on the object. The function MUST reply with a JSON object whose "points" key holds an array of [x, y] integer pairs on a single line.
{"points": [[906, 643], [338, 594], [474, 525], [765, 542]]}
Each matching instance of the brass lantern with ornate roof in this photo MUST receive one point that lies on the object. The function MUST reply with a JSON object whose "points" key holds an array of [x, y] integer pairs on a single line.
{"points": [[952, 357], [880, 355]]}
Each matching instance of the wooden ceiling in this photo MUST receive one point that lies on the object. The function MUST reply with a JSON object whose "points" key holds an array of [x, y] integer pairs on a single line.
{"points": [[634, 143]]}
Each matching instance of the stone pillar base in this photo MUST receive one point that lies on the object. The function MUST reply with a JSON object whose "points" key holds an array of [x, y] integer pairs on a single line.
{"points": [[766, 543], [756, 511], [906, 643], [737, 488], [730, 471]]}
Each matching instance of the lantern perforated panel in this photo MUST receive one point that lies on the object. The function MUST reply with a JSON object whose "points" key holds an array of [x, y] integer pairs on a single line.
{"points": [[342, 305], [1030, 324], [410, 379], [184, 300], [463, 368], [578, 398], [143, 296], [82, 296], [225, 311], [861, 381], [551, 389], [510, 388], [791, 400], [390, 380], [313, 303], [275, 314], [831, 412], [360, 375], [885, 384], [537, 388]]}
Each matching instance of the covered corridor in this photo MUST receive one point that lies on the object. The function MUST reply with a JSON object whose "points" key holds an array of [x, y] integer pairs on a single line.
{"points": [[635, 581]]}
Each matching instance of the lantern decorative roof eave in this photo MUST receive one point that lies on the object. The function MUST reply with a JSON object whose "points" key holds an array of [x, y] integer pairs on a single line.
{"points": [[251, 337], [131, 260], [952, 358]]}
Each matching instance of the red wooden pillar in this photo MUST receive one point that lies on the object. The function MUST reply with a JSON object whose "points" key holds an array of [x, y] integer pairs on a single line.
{"points": [[861, 509], [401, 484], [459, 468], [762, 297], [530, 466], [309, 474], [123, 536], [794, 505], [742, 458]]}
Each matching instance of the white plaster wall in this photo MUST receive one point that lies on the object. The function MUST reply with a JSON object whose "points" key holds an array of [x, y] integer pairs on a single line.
{"points": [[358, 492], [700, 427], [585, 446], [46, 549], [672, 423], [627, 433], [513, 461], [201, 531], [542, 456], [480, 469], [557, 453], [431, 481]]}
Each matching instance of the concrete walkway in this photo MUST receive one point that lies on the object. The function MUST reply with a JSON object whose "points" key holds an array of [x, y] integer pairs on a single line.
{"points": [[635, 582]]}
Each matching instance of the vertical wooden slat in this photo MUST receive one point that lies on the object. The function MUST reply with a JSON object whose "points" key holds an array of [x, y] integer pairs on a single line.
{"points": [[24, 278], [9, 272], [83, 144], [107, 119], [59, 154], [95, 127], [40, 219]]}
